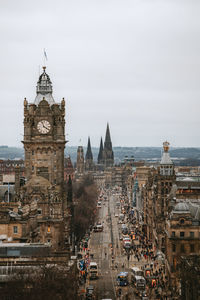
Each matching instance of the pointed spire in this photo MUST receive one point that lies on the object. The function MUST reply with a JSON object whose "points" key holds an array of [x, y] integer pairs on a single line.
{"points": [[107, 142], [44, 88], [107, 138], [108, 155], [100, 155], [89, 165], [89, 151]]}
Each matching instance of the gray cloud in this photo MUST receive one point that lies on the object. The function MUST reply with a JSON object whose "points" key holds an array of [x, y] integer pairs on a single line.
{"points": [[133, 63]]}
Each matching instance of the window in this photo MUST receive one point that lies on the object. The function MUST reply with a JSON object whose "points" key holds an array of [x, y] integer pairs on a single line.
{"points": [[48, 241], [182, 248], [182, 221], [54, 181], [48, 229], [192, 234], [173, 248], [15, 229], [32, 168], [39, 211], [173, 234], [32, 152], [191, 247], [182, 234]]}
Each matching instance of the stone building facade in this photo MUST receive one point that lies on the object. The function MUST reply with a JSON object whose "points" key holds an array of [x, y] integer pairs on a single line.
{"points": [[80, 160], [44, 144], [182, 238]]}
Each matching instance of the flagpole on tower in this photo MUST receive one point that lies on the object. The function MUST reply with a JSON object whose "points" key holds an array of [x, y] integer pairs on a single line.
{"points": [[45, 57]]}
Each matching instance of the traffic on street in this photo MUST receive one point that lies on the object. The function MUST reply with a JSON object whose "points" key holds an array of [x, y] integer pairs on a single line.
{"points": [[116, 260]]}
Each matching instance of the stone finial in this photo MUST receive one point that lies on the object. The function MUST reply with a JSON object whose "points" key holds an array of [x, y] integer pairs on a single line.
{"points": [[63, 102], [166, 146], [25, 102]]}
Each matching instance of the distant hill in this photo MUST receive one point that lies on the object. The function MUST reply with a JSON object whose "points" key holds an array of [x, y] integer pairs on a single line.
{"points": [[180, 156], [11, 152]]}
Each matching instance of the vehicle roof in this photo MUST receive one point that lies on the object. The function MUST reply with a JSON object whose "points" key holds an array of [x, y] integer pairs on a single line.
{"points": [[123, 274], [135, 269], [93, 263], [139, 277], [90, 287]]}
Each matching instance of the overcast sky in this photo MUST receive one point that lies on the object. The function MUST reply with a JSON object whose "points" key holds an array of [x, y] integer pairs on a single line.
{"points": [[134, 64]]}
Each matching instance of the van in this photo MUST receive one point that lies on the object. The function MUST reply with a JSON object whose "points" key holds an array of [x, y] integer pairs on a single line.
{"points": [[122, 279], [93, 270]]}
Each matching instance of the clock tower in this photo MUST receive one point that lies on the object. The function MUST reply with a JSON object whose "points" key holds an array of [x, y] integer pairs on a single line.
{"points": [[44, 144], [44, 134]]}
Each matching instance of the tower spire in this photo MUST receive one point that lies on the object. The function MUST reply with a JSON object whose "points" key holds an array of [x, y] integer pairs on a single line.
{"points": [[107, 138], [108, 155], [89, 151], [100, 155], [44, 88], [89, 157]]}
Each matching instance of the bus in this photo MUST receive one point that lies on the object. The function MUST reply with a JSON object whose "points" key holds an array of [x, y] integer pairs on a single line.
{"points": [[93, 270], [139, 282], [135, 271], [122, 279]]}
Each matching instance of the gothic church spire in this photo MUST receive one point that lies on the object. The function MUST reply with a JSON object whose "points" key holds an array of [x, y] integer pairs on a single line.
{"points": [[108, 155], [100, 155], [89, 165], [89, 151]]}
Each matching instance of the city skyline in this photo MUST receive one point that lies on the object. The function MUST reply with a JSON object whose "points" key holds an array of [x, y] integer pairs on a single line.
{"points": [[130, 63]]}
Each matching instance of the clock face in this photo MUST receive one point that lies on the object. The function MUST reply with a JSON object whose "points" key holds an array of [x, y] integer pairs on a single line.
{"points": [[43, 126]]}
